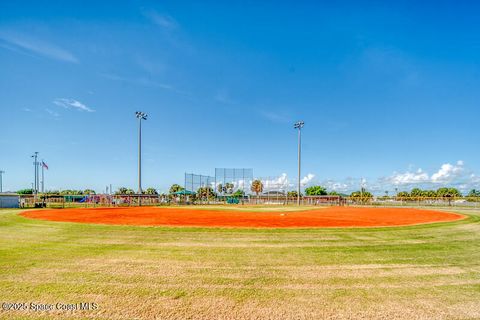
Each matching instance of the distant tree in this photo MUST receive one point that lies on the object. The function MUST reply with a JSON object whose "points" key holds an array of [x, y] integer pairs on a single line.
{"points": [[52, 192], [151, 191], [239, 193], [257, 186], [205, 193], [474, 193], [220, 188], [130, 191], [25, 191], [416, 193], [71, 192], [361, 196], [403, 195], [88, 191], [175, 188], [121, 190], [333, 193], [292, 194], [430, 193], [229, 188], [316, 191], [448, 193]]}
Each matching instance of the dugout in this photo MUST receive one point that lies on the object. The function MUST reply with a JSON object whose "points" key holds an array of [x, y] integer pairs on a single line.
{"points": [[9, 200]]}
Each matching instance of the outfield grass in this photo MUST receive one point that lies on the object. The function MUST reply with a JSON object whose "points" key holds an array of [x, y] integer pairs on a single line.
{"points": [[418, 272]]}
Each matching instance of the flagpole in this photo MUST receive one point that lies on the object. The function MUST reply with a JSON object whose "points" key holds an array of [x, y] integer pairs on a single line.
{"points": [[43, 178]]}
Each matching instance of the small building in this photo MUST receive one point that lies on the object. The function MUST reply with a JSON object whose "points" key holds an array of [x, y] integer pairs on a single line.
{"points": [[9, 200]]}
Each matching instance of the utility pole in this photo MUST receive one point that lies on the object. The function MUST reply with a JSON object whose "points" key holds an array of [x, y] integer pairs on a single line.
{"points": [[140, 116], [299, 125], [1, 180]]}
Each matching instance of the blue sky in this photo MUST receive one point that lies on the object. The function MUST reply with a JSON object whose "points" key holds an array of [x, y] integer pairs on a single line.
{"points": [[389, 92]]}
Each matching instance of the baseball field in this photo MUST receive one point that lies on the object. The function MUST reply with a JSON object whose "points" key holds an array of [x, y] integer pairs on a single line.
{"points": [[425, 268]]}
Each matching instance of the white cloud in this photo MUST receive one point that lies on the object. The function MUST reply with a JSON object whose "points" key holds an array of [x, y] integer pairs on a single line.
{"points": [[280, 182], [36, 46], [162, 20], [408, 178], [305, 180], [332, 185], [448, 172], [72, 104]]}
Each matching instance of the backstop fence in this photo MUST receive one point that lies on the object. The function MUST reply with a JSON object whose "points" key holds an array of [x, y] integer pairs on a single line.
{"points": [[230, 180], [193, 182]]}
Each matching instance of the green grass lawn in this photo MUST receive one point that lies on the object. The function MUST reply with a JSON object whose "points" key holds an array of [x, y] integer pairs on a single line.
{"points": [[419, 272]]}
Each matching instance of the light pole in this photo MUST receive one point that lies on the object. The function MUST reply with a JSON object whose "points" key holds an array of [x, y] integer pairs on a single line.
{"points": [[140, 116], [35, 178], [1, 180], [299, 125]]}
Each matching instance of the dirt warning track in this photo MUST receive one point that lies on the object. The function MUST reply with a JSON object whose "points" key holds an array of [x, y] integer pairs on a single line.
{"points": [[322, 217]]}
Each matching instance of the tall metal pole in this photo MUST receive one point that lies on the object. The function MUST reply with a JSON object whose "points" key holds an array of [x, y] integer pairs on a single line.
{"points": [[299, 125], [140, 116], [43, 178], [139, 155], [38, 176], [35, 177], [299, 163], [1, 180]]}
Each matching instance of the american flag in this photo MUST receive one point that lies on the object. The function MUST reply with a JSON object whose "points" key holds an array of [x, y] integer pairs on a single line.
{"points": [[44, 165]]}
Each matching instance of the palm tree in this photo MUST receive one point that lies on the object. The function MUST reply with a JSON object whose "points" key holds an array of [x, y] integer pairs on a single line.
{"points": [[151, 191], [175, 188], [229, 187], [257, 187], [88, 191]]}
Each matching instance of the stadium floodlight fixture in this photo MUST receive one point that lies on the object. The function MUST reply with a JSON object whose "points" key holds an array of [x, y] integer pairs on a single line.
{"points": [[299, 125], [140, 116]]}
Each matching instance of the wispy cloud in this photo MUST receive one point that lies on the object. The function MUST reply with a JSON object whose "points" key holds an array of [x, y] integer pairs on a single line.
{"points": [[142, 82], [276, 116], [18, 43], [52, 113], [223, 96], [162, 20], [72, 104]]}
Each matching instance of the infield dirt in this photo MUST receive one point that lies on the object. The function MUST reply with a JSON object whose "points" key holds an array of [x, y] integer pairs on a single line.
{"points": [[321, 217]]}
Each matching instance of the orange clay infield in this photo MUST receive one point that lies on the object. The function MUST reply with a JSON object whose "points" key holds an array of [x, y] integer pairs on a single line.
{"points": [[321, 217]]}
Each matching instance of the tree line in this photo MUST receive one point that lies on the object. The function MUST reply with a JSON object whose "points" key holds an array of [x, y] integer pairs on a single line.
{"points": [[257, 188]]}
